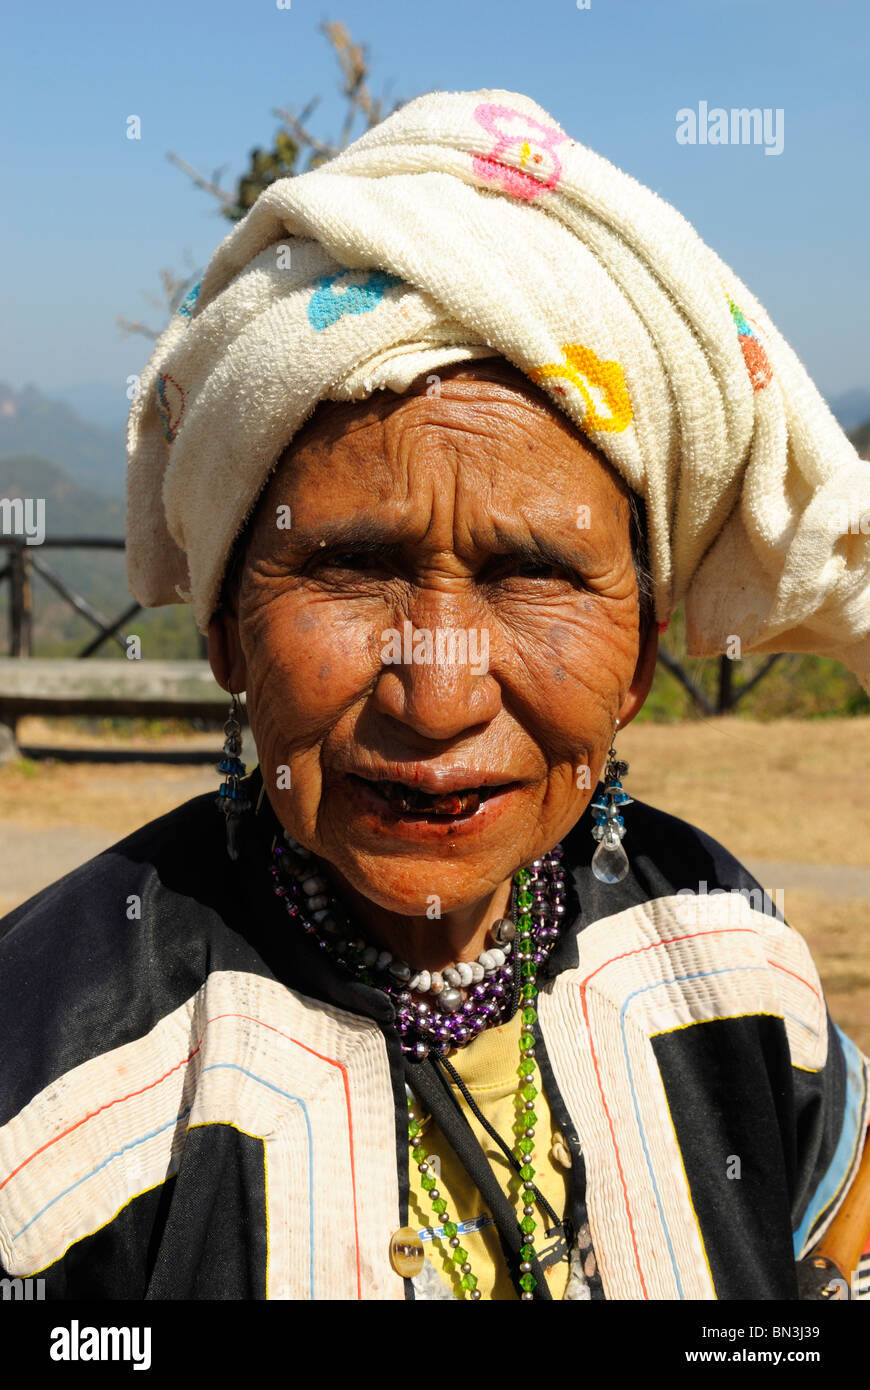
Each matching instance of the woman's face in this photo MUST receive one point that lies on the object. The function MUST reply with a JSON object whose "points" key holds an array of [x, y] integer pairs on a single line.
{"points": [[438, 591]]}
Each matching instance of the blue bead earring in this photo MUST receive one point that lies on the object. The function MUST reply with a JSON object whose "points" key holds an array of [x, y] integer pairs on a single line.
{"points": [[231, 799], [610, 861]]}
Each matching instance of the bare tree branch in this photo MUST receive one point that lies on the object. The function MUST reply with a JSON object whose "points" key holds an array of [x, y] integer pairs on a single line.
{"points": [[354, 65], [130, 326], [295, 126], [228, 199], [266, 165], [352, 58], [309, 108]]}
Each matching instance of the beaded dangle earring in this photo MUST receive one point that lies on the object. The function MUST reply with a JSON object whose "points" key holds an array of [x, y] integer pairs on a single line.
{"points": [[231, 799], [610, 861]]}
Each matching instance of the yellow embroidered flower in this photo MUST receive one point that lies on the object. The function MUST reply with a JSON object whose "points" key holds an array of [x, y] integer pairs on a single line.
{"points": [[583, 369]]}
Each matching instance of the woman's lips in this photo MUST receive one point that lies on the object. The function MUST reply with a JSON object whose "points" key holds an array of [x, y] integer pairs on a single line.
{"points": [[459, 811], [410, 799]]}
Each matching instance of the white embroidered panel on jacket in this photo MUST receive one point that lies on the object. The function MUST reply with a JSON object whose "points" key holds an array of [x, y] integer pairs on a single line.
{"points": [[311, 1081], [642, 972]]}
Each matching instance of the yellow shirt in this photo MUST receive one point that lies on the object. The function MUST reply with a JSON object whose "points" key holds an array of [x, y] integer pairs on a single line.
{"points": [[489, 1068]]}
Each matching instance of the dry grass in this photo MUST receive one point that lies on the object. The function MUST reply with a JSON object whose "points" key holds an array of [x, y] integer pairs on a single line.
{"points": [[117, 798], [837, 932], [793, 792], [785, 790]]}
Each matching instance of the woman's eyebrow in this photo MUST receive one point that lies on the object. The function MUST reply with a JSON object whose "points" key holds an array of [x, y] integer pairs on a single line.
{"points": [[359, 533], [370, 533], [533, 544]]}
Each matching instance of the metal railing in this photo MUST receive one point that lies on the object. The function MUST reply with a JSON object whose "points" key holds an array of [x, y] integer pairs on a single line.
{"points": [[22, 563]]}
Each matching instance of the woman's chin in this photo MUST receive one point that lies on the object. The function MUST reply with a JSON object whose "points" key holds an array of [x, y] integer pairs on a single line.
{"points": [[418, 867], [426, 865], [390, 889]]}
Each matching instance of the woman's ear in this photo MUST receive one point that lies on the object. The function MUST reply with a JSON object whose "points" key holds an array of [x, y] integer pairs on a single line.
{"points": [[644, 673], [225, 654]]}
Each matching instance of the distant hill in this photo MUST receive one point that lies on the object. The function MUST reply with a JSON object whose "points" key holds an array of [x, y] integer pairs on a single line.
{"points": [[98, 402], [98, 576], [861, 439], [32, 424], [852, 408], [70, 508]]}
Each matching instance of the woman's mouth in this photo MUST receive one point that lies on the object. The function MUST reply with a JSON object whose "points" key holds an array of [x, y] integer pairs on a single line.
{"points": [[412, 803]]}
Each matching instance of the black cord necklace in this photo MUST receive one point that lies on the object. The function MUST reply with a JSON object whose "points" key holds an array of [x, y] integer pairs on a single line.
{"points": [[538, 908]]}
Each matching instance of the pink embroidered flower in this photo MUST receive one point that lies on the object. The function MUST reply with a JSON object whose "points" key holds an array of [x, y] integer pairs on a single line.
{"points": [[534, 164]]}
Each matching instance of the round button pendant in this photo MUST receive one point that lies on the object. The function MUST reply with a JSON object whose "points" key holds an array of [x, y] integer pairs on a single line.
{"points": [[406, 1252]]}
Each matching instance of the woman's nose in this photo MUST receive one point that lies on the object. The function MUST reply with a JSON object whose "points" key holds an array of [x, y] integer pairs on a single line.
{"points": [[437, 679]]}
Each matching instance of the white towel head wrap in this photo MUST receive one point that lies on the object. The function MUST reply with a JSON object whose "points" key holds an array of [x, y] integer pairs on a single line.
{"points": [[469, 224]]}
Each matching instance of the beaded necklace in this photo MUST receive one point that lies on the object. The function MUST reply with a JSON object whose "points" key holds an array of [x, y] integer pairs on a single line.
{"points": [[538, 901]]}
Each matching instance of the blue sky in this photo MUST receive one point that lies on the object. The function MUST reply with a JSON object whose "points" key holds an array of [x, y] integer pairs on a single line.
{"points": [[89, 218]]}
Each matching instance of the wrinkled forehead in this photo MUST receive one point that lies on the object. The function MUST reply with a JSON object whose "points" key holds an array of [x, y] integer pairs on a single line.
{"points": [[463, 386], [471, 450], [379, 462]]}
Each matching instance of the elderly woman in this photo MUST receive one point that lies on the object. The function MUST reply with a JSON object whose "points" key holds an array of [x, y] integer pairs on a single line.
{"points": [[434, 1009]]}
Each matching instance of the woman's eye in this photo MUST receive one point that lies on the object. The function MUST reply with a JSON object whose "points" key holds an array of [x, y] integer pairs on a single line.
{"points": [[539, 569], [346, 560], [529, 569]]}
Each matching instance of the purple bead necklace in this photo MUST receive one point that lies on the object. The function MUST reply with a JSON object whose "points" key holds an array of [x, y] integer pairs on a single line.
{"points": [[458, 1003]]}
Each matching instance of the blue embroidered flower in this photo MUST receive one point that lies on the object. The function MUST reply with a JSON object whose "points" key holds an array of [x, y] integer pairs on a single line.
{"points": [[187, 303], [325, 307]]}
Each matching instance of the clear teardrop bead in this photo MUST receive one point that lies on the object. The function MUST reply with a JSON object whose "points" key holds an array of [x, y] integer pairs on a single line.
{"points": [[233, 836], [610, 863]]}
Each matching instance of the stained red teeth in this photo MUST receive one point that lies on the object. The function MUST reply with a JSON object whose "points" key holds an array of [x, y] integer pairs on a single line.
{"points": [[414, 799]]}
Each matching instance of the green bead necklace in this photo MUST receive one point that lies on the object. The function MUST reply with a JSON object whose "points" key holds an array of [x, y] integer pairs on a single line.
{"points": [[524, 1127]]}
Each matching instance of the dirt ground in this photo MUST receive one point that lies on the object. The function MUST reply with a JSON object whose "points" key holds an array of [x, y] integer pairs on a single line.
{"points": [[789, 799]]}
